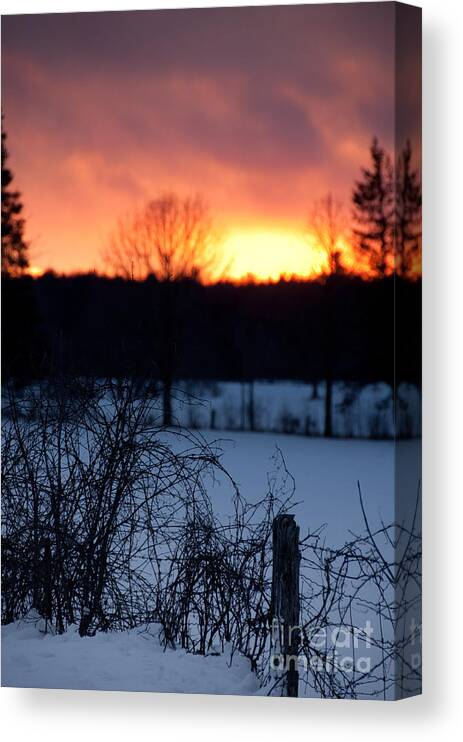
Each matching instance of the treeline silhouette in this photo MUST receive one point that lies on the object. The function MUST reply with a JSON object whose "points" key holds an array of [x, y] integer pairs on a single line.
{"points": [[91, 325]]}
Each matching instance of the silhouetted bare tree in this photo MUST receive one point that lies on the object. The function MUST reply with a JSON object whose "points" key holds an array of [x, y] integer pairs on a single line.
{"points": [[173, 239], [327, 225], [170, 237]]}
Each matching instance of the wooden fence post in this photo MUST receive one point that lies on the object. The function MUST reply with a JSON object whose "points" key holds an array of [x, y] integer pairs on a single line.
{"points": [[285, 607], [47, 600]]}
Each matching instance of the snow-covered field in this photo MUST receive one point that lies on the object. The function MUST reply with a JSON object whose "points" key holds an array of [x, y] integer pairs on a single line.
{"points": [[296, 408], [325, 473]]}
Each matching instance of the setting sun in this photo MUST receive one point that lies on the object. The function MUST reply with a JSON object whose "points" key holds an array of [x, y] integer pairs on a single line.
{"points": [[270, 255], [35, 271]]}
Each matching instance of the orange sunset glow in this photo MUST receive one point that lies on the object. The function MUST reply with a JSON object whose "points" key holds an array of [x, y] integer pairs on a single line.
{"points": [[107, 111], [271, 255]]}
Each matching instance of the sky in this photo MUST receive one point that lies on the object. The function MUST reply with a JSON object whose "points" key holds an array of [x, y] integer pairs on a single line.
{"points": [[260, 110]]}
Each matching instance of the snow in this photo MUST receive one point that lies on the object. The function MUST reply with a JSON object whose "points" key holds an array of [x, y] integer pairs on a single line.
{"points": [[132, 661], [325, 474], [292, 407]]}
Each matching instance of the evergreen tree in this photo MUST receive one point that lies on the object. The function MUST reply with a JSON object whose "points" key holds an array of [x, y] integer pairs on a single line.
{"points": [[408, 214], [14, 247], [373, 200], [23, 350]]}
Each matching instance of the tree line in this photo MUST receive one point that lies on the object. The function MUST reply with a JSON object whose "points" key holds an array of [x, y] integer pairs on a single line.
{"points": [[93, 325]]}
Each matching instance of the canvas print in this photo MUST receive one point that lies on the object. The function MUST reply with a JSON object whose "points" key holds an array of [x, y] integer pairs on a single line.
{"points": [[211, 351]]}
